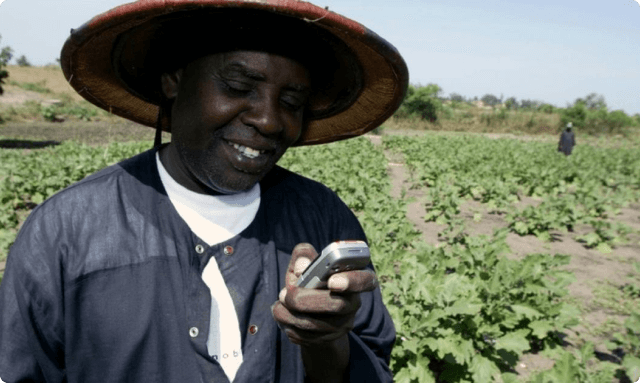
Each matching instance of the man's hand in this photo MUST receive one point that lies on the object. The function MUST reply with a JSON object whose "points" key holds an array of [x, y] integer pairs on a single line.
{"points": [[315, 316], [319, 319]]}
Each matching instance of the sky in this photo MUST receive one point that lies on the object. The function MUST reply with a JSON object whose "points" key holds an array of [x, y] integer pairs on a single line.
{"points": [[551, 51]]}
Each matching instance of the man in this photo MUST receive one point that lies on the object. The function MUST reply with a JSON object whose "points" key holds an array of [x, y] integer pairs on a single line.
{"points": [[567, 140], [179, 264]]}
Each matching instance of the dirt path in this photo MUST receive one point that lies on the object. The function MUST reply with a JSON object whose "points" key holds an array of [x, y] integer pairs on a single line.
{"points": [[595, 272]]}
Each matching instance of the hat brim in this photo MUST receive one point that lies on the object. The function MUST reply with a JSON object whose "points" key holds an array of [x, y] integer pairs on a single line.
{"points": [[87, 63]]}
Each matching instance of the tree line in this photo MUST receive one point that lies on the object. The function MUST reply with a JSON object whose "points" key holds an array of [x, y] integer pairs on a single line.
{"points": [[589, 113]]}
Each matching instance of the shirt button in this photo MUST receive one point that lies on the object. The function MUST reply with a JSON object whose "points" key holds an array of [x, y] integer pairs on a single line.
{"points": [[193, 332], [253, 329], [199, 249], [228, 250]]}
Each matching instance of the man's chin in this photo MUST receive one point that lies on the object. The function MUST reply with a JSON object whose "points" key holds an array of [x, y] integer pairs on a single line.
{"points": [[236, 188]]}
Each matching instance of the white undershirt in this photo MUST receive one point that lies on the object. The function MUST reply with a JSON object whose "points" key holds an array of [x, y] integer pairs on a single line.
{"points": [[216, 219]]}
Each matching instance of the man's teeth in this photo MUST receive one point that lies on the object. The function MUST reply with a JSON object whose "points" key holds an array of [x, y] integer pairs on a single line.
{"points": [[248, 152]]}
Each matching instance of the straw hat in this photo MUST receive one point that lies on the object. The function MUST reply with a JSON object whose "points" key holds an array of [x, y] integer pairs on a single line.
{"points": [[115, 60]]}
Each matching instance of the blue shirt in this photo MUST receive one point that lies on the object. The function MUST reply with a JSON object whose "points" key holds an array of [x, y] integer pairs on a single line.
{"points": [[103, 284]]}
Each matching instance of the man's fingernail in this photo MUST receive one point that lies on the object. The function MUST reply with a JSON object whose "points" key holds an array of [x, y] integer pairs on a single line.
{"points": [[301, 265], [338, 282], [282, 295]]}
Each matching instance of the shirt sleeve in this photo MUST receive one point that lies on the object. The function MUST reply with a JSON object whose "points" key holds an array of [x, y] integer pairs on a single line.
{"points": [[373, 335], [31, 325], [371, 342]]}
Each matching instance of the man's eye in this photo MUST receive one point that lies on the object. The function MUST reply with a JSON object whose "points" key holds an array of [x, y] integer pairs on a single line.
{"points": [[292, 103], [238, 87]]}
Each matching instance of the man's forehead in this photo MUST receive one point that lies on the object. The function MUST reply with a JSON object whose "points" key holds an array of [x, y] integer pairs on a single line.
{"points": [[257, 65]]}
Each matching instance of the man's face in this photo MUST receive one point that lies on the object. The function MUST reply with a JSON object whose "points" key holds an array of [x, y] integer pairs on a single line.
{"points": [[233, 116]]}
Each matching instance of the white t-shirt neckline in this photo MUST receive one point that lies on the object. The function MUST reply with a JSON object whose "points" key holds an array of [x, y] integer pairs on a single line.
{"points": [[215, 219]]}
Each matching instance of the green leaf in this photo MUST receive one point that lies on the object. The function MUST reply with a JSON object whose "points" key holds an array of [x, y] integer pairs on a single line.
{"points": [[604, 248], [37, 198], [521, 228], [565, 369], [411, 345], [526, 311], [483, 369], [591, 239], [541, 328], [515, 341], [421, 372], [465, 308], [631, 365], [403, 376], [509, 377]]}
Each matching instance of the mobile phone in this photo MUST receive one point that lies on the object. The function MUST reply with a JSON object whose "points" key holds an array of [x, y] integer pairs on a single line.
{"points": [[337, 257]]}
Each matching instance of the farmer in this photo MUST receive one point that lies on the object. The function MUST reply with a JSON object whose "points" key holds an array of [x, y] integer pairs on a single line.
{"points": [[567, 140], [179, 264]]}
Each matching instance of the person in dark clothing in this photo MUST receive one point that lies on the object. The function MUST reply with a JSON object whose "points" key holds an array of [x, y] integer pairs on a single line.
{"points": [[567, 140], [179, 264]]}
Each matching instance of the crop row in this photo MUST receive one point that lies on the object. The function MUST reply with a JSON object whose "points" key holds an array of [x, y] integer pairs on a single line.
{"points": [[463, 312], [588, 188], [585, 189]]}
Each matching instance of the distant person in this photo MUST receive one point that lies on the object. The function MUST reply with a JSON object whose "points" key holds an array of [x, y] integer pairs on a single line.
{"points": [[567, 140]]}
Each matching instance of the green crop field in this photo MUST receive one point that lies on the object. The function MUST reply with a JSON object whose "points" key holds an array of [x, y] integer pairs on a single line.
{"points": [[491, 252]]}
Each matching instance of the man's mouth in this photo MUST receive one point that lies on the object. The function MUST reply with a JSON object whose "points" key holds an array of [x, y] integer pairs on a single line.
{"points": [[246, 151]]}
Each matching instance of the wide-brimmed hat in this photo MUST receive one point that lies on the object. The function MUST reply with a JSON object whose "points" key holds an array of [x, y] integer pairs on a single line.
{"points": [[115, 60]]}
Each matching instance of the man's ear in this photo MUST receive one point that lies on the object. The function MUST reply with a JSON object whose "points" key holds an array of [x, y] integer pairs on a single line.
{"points": [[170, 83]]}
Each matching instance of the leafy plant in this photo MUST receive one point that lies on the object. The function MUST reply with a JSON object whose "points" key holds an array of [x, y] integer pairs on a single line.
{"points": [[49, 113], [465, 313], [629, 344], [570, 367]]}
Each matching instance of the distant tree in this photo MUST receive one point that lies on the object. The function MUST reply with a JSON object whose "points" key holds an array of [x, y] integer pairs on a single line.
{"points": [[6, 54], [530, 104], [593, 101], [490, 99], [577, 115], [619, 119], [23, 61], [456, 97], [546, 108], [511, 103], [422, 101]]}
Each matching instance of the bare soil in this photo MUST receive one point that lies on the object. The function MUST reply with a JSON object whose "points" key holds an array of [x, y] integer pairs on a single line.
{"points": [[594, 271]]}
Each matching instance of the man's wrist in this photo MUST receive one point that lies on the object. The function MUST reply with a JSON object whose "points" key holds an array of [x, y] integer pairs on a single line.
{"points": [[326, 362]]}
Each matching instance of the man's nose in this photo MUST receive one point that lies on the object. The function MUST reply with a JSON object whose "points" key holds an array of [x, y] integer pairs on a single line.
{"points": [[263, 114]]}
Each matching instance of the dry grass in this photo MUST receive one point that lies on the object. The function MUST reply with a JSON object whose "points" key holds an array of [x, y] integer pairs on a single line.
{"points": [[50, 76]]}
